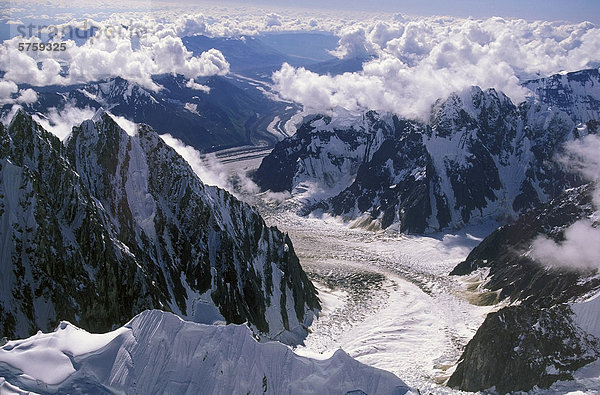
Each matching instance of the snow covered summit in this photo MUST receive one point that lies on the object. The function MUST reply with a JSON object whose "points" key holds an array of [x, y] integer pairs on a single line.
{"points": [[157, 352]]}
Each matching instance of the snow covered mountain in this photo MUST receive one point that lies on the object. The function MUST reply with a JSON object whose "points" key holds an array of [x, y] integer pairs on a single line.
{"points": [[549, 330], [479, 157], [157, 352], [106, 225], [577, 93], [213, 113]]}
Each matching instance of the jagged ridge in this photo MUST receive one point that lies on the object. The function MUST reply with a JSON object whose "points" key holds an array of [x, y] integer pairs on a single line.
{"points": [[479, 157], [107, 225]]}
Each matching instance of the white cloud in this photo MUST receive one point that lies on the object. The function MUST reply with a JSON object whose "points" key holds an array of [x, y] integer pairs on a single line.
{"points": [[208, 168], [7, 89], [583, 156], [353, 43], [418, 60], [194, 85], [60, 123], [128, 126], [11, 94], [273, 20], [412, 61], [119, 53], [580, 248]]}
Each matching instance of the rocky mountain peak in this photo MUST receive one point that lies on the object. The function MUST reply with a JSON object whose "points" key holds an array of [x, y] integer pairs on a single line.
{"points": [[110, 224]]}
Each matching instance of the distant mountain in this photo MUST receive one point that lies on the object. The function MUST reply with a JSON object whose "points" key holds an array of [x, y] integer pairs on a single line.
{"points": [[577, 94], [479, 157], [337, 66], [106, 225], [307, 47], [230, 114], [537, 339], [156, 352]]}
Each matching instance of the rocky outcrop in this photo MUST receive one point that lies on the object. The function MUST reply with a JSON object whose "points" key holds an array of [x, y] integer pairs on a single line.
{"points": [[520, 347]]}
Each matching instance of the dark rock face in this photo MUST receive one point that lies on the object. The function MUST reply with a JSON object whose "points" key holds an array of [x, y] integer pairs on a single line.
{"points": [[535, 342], [107, 225], [322, 152], [516, 276], [479, 157], [520, 347], [406, 201]]}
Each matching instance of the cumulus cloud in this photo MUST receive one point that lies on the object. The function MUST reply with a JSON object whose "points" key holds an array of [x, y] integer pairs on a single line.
{"points": [[199, 87], [136, 58], [136, 41], [580, 248], [11, 94], [410, 63], [273, 20]]}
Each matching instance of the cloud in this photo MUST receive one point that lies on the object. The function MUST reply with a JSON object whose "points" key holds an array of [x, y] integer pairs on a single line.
{"points": [[107, 54], [411, 62], [206, 166], [353, 43], [273, 20], [60, 123], [580, 248], [210, 170], [583, 156], [128, 126], [194, 85], [11, 94], [148, 39]]}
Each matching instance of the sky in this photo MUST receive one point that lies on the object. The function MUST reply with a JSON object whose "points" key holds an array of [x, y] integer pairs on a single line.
{"points": [[572, 10]]}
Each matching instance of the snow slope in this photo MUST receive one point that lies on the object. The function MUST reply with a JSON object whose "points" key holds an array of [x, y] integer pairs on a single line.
{"points": [[157, 352]]}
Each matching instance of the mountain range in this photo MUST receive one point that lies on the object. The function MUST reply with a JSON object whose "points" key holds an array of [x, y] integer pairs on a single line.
{"points": [[477, 157], [225, 112]]}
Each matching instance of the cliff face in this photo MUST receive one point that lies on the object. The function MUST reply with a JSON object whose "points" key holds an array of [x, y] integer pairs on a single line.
{"points": [[537, 339], [108, 224]]}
